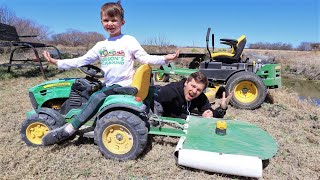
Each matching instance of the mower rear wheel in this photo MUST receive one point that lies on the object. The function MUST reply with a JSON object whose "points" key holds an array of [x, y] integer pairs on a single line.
{"points": [[121, 135], [249, 90], [161, 77], [37, 125]]}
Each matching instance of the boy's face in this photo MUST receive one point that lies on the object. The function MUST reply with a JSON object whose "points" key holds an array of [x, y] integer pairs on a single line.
{"points": [[192, 89], [112, 24]]}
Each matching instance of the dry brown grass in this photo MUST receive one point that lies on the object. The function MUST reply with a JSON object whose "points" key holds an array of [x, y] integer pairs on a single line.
{"points": [[293, 123]]}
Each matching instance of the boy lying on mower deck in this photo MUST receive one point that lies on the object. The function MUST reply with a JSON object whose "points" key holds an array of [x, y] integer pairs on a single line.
{"points": [[123, 123]]}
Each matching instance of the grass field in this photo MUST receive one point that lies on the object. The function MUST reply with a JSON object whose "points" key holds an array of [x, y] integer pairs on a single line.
{"points": [[294, 124]]}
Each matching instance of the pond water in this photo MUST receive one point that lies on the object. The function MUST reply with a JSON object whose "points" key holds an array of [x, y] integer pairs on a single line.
{"points": [[304, 88]]}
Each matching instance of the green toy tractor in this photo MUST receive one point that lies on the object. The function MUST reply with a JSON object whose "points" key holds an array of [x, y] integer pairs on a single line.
{"points": [[120, 126]]}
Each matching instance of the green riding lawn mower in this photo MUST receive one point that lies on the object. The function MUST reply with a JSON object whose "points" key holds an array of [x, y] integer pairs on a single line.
{"points": [[125, 121], [249, 76]]}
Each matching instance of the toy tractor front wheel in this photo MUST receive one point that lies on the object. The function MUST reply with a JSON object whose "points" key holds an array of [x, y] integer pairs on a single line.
{"points": [[121, 135], [37, 125], [161, 77], [249, 90]]}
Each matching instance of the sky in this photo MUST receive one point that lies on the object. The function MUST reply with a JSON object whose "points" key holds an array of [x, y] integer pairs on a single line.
{"points": [[184, 22]]}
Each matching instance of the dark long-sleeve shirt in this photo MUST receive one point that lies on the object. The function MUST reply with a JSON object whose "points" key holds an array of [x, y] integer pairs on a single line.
{"points": [[174, 104]]}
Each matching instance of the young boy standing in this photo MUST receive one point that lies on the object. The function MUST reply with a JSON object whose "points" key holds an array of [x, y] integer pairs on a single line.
{"points": [[117, 54]]}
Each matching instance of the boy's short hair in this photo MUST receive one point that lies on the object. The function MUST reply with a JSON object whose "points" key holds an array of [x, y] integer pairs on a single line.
{"points": [[112, 9], [199, 77]]}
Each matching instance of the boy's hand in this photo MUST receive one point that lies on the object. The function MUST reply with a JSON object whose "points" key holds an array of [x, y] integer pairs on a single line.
{"points": [[225, 100], [172, 56], [48, 57]]}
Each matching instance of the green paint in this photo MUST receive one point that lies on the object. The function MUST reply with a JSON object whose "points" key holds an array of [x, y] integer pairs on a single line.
{"points": [[121, 99], [59, 88], [166, 131], [270, 75], [242, 138]]}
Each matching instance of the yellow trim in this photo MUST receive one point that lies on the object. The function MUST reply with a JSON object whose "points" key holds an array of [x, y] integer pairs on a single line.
{"points": [[240, 39], [141, 80], [222, 54], [56, 85], [233, 52], [35, 132]]}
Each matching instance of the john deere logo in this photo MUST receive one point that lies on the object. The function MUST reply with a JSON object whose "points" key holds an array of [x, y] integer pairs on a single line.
{"points": [[56, 85]]}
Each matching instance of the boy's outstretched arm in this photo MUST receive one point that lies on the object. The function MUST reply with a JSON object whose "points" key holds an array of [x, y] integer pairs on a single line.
{"points": [[172, 56], [48, 57]]}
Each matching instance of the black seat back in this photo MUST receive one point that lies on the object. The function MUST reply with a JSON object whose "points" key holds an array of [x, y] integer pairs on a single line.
{"points": [[8, 33]]}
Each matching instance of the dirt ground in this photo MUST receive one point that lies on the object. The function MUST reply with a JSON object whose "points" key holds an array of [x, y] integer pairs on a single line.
{"points": [[294, 124]]}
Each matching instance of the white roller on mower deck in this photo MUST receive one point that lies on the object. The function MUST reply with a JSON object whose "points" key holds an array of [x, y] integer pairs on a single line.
{"points": [[239, 165]]}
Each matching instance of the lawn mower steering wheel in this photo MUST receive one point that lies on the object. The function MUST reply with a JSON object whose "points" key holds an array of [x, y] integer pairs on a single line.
{"points": [[92, 71]]}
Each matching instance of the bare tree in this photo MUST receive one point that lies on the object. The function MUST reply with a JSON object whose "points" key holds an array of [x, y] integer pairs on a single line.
{"points": [[29, 27], [76, 38], [304, 46], [271, 46], [7, 16], [24, 26], [315, 46], [158, 45]]}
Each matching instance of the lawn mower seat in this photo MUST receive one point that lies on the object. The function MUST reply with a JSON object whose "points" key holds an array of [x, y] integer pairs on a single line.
{"points": [[237, 47], [140, 83]]}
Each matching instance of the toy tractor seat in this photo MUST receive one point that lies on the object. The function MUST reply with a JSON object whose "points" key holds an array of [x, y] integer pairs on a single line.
{"points": [[237, 47], [140, 83]]}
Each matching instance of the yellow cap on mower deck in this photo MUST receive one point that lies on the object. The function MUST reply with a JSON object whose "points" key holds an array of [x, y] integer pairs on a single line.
{"points": [[221, 127]]}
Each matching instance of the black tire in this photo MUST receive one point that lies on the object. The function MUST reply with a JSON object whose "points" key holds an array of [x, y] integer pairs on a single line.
{"points": [[158, 78], [37, 125], [248, 88], [121, 135]]}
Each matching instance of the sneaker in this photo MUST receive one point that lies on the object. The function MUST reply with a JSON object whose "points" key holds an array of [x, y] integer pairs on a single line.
{"points": [[55, 136]]}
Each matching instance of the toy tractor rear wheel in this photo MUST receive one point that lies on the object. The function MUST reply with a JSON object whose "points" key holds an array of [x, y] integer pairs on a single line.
{"points": [[121, 135], [161, 77], [37, 125], [249, 90]]}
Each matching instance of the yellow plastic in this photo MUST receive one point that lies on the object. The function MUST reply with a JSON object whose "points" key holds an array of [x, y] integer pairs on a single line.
{"points": [[221, 125], [211, 93], [232, 53], [117, 139], [141, 80], [35, 132]]}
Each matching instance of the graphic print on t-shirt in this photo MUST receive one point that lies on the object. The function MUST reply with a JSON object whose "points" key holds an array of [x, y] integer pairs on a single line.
{"points": [[111, 56]]}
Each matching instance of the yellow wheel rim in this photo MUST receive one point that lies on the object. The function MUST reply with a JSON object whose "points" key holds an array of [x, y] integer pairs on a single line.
{"points": [[117, 139], [246, 92], [35, 132]]}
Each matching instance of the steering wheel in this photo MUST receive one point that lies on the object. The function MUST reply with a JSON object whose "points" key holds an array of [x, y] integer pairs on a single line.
{"points": [[92, 71]]}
